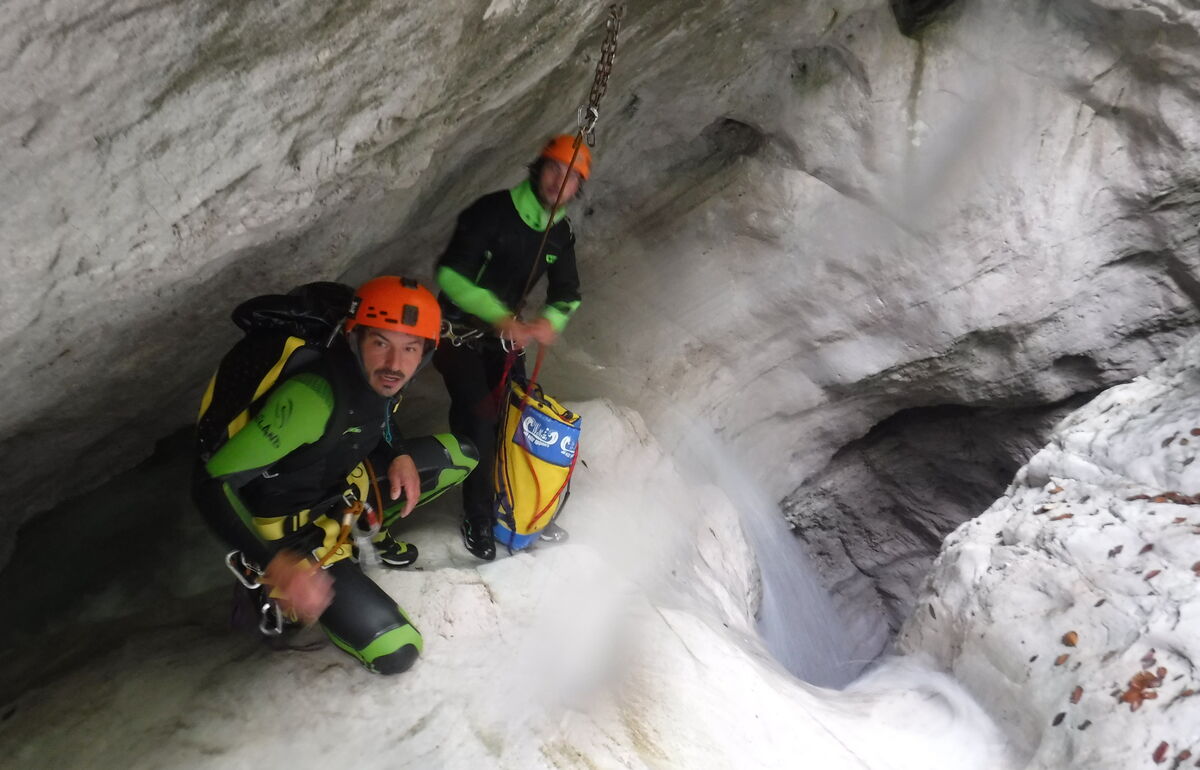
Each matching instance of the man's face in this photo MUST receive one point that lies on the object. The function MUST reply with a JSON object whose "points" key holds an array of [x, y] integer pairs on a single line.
{"points": [[389, 358], [551, 179]]}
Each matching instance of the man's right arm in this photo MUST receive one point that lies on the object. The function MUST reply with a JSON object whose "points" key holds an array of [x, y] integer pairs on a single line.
{"points": [[295, 413]]}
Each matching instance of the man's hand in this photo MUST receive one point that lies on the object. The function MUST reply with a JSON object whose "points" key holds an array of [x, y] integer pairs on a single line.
{"points": [[543, 331], [300, 586], [403, 476], [513, 329]]}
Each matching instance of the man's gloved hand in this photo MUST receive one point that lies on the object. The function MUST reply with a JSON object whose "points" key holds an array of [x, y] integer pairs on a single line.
{"points": [[543, 331], [300, 587], [402, 475]]}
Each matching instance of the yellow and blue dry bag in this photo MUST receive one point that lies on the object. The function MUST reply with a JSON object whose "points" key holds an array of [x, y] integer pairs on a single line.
{"points": [[537, 447]]}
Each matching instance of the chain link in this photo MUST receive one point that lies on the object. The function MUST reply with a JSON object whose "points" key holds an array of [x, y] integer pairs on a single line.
{"points": [[589, 115]]}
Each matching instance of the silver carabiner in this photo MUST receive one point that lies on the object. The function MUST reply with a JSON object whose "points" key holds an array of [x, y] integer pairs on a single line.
{"points": [[239, 572], [271, 623]]}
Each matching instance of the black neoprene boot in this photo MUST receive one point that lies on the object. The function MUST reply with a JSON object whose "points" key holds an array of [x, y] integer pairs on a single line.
{"points": [[478, 538]]}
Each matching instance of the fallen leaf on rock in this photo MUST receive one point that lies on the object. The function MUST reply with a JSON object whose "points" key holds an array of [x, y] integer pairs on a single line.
{"points": [[1056, 490], [1146, 548], [1086, 724], [1114, 551], [1183, 756], [1160, 753], [1141, 688], [1137, 497], [1153, 574], [1180, 519], [1196, 568], [1189, 692], [1195, 431], [1062, 516], [1097, 604], [1168, 441], [1148, 659], [1071, 638], [1076, 694], [1061, 659], [1058, 718]]}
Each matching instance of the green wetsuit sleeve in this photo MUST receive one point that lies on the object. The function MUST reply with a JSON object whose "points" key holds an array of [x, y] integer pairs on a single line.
{"points": [[294, 414], [474, 299]]}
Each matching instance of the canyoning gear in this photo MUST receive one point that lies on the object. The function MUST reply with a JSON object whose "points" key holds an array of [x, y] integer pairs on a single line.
{"points": [[484, 269], [282, 333], [537, 449], [397, 304], [589, 114], [562, 149], [478, 538], [394, 553]]}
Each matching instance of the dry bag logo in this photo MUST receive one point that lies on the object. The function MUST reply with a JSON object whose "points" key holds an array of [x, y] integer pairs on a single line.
{"points": [[547, 438], [540, 435]]}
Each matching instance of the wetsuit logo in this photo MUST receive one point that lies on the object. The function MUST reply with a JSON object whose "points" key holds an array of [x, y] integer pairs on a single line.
{"points": [[541, 435], [551, 259]]}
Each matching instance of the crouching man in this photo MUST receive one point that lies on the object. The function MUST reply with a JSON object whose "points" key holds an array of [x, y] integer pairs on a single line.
{"points": [[310, 473]]}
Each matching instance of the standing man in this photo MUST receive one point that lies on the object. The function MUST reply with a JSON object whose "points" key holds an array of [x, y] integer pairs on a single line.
{"points": [[298, 468], [485, 274]]}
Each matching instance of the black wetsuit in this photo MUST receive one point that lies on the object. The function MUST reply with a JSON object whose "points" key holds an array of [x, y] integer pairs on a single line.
{"points": [[483, 274], [279, 483]]}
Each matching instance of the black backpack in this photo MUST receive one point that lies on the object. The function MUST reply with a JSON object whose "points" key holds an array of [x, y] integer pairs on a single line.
{"points": [[284, 333]]}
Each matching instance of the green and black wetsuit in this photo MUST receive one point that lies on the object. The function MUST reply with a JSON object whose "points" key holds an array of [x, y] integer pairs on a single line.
{"points": [[482, 276], [279, 483]]}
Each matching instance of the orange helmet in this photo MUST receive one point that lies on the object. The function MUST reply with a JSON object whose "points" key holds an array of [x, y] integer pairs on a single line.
{"points": [[562, 147], [398, 304]]}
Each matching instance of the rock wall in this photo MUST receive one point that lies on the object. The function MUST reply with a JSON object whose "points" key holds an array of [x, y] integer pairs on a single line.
{"points": [[803, 221], [1071, 607]]}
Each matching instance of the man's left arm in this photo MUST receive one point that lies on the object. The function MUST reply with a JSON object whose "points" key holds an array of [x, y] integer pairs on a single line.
{"points": [[562, 292]]}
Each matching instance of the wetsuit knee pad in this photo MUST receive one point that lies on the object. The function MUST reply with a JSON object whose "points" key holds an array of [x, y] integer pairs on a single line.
{"points": [[367, 624], [396, 662]]}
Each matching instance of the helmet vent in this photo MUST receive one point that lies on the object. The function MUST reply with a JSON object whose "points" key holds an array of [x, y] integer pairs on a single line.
{"points": [[410, 315]]}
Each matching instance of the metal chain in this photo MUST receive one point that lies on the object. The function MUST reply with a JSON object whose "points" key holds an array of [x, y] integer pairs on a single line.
{"points": [[589, 115]]}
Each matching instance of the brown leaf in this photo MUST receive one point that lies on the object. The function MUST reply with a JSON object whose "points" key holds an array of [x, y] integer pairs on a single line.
{"points": [[1114, 551], [1183, 756], [1148, 659], [1146, 548], [1061, 659], [1097, 604], [1180, 519], [1062, 516], [1086, 724], [1195, 431], [1189, 692], [1160, 753], [1153, 574], [1196, 568], [1071, 638], [1076, 694], [1058, 718], [1056, 490]]}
